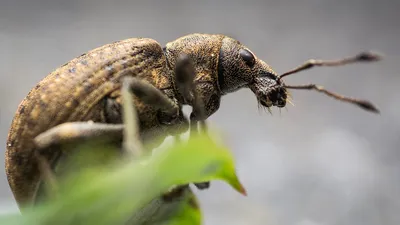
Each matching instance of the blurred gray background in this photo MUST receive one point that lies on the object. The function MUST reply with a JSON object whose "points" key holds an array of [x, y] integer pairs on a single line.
{"points": [[321, 162]]}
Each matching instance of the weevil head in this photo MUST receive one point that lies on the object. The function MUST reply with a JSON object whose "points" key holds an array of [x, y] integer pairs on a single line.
{"points": [[232, 64], [239, 67]]}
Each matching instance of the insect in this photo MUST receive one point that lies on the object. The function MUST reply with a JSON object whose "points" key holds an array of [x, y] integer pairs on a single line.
{"points": [[195, 70]]}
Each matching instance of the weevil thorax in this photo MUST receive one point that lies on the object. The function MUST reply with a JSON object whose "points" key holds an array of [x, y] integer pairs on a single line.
{"points": [[230, 64], [202, 49]]}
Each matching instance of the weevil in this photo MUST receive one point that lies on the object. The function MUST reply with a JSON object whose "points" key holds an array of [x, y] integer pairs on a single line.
{"points": [[195, 70]]}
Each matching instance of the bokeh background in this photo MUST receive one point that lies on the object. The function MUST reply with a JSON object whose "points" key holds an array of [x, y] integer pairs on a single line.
{"points": [[321, 162]]}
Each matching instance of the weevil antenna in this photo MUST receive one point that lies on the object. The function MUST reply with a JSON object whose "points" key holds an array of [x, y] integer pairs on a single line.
{"points": [[361, 57], [364, 104]]}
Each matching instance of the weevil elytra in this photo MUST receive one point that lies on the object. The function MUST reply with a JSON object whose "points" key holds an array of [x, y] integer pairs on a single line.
{"points": [[195, 70]]}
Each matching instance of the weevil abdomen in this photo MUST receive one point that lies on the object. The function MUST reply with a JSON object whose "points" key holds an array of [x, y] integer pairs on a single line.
{"points": [[76, 92]]}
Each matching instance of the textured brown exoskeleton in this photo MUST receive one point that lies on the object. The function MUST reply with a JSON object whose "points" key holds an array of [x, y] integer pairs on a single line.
{"points": [[195, 70]]}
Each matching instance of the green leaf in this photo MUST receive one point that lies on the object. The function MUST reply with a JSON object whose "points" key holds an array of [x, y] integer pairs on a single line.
{"points": [[188, 214], [111, 195], [183, 210], [199, 160]]}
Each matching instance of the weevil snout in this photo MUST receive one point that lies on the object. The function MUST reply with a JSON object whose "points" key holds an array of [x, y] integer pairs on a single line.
{"points": [[269, 92], [277, 96]]}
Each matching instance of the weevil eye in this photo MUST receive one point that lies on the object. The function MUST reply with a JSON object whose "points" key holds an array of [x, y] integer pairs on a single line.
{"points": [[247, 57]]}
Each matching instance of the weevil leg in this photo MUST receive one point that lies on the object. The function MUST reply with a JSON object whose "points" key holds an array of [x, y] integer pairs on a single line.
{"points": [[185, 75], [194, 123], [185, 81], [184, 78], [169, 112], [76, 132], [48, 176], [68, 133], [201, 111], [132, 142], [128, 132], [150, 95]]}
